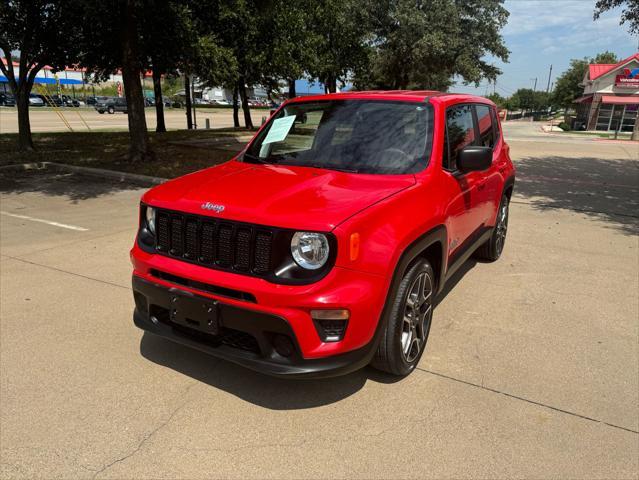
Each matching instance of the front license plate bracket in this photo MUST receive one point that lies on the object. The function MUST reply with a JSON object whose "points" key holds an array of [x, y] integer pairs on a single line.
{"points": [[196, 314]]}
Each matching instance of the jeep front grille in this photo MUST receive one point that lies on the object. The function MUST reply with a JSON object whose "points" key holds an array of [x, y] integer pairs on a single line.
{"points": [[214, 243]]}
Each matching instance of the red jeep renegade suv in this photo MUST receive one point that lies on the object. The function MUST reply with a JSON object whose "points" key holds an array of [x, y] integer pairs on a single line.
{"points": [[322, 246]]}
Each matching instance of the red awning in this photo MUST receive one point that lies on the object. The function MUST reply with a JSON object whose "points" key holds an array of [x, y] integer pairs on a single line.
{"points": [[621, 100], [584, 99]]}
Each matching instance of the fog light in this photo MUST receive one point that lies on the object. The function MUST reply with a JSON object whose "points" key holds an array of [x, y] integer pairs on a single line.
{"points": [[331, 324], [283, 345]]}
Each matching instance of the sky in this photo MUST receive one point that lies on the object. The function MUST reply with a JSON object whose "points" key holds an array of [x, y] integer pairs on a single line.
{"points": [[544, 32]]}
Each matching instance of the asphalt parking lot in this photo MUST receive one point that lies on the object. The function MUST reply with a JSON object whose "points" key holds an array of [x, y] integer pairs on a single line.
{"points": [[531, 370]]}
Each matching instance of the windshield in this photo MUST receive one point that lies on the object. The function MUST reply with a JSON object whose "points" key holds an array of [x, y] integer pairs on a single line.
{"points": [[379, 137]]}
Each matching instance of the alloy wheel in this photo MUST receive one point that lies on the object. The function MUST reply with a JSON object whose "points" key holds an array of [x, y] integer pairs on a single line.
{"points": [[501, 228], [418, 313]]}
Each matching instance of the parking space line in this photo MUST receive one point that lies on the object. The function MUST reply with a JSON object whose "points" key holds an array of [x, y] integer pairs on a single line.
{"points": [[106, 282], [527, 400], [48, 222]]}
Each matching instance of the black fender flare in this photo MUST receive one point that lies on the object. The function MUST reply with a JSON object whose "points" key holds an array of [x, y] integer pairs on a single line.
{"points": [[508, 183], [435, 235]]}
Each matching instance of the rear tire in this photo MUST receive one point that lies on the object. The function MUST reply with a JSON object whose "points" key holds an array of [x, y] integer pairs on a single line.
{"points": [[111, 110], [406, 333], [492, 249]]}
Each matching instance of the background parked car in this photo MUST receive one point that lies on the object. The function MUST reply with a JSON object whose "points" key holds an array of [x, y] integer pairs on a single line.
{"points": [[91, 100], [112, 105], [35, 100], [7, 100], [101, 103], [50, 101], [69, 101], [222, 103]]}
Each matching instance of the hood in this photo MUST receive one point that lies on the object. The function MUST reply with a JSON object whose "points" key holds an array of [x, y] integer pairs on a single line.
{"points": [[280, 196]]}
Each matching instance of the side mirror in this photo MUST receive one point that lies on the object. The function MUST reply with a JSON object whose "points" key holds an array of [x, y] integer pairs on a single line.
{"points": [[474, 158]]}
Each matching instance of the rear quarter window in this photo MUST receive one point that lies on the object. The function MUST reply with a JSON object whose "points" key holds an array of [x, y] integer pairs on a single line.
{"points": [[485, 124]]}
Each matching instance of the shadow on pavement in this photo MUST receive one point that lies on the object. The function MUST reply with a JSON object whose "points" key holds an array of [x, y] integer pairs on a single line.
{"points": [[263, 390], [607, 190], [456, 278], [74, 186]]}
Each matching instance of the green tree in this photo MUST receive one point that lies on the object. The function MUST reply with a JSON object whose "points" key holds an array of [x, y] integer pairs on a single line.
{"points": [[420, 44], [497, 99], [629, 14], [240, 31], [166, 38], [292, 51], [43, 34], [112, 38], [568, 86], [201, 53], [341, 30], [524, 99]]}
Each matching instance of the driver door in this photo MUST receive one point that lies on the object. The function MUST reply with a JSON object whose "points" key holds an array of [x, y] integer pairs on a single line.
{"points": [[463, 213]]}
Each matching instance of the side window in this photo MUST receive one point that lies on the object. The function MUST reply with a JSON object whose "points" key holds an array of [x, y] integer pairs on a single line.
{"points": [[485, 123], [460, 132]]}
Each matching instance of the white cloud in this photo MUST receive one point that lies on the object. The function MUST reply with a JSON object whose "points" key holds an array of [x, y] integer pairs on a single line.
{"points": [[555, 26], [528, 16]]}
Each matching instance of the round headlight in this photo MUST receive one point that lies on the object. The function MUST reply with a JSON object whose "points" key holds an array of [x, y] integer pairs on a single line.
{"points": [[150, 219], [309, 250]]}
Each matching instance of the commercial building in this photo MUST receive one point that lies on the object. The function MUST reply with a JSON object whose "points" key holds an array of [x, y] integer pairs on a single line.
{"points": [[611, 97]]}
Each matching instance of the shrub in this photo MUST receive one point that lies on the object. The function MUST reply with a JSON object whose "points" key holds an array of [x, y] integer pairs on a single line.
{"points": [[564, 126]]}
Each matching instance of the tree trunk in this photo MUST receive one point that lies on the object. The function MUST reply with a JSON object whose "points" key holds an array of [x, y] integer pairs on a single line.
{"points": [[139, 148], [248, 123], [159, 101], [25, 142], [187, 102], [331, 84], [236, 107], [635, 131], [291, 88]]}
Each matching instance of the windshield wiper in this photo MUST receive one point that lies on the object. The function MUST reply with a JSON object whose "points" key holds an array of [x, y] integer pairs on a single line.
{"points": [[331, 167], [253, 158]]}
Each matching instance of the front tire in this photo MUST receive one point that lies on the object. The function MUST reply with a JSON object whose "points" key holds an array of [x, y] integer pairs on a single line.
{"points": [[406, 333], [111, 110], [491, 250]]}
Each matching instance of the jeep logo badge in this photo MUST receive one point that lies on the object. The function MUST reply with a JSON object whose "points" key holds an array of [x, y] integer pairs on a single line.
{"points": [[212, 206]]}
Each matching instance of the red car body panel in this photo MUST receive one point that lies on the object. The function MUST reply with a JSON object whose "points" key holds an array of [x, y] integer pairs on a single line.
{"points": [[388, 212], [286, 196]]}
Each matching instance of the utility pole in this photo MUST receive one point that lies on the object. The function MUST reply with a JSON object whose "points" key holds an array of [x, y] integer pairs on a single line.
{"points": [[535, 87], [549, 74]]}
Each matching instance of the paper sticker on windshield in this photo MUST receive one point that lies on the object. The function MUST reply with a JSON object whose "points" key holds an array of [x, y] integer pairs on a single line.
{"points": [[279, 129]]}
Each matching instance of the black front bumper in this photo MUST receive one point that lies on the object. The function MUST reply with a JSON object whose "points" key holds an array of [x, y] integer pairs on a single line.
{"points": [[242, 336]]}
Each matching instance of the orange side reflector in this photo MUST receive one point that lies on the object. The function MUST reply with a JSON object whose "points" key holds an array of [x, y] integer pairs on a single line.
{"points": [[354, 246]]}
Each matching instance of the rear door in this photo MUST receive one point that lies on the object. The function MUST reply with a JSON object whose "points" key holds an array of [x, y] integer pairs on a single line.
{"points": [[462, 216]]}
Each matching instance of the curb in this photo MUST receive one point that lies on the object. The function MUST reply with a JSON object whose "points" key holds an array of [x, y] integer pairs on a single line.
{"points": [[143, 180]]}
